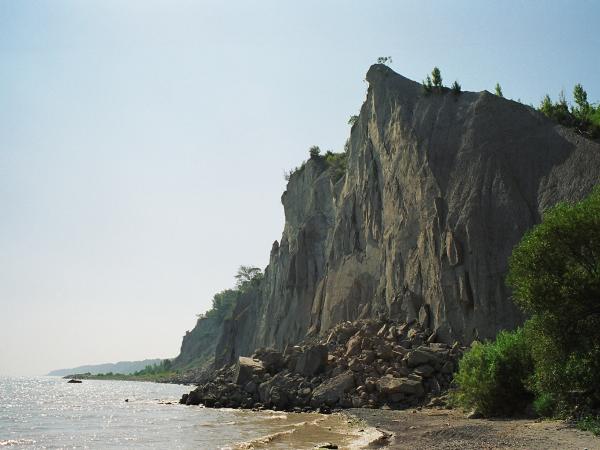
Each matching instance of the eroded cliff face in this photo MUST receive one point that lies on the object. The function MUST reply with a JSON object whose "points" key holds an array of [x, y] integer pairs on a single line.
{"points": [[438, 190]]}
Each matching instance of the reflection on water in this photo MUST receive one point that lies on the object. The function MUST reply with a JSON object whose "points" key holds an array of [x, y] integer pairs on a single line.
{"points": [[47, 412]]}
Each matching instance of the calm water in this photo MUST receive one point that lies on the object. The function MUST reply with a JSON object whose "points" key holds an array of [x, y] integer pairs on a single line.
{"points": [[47, 412]]}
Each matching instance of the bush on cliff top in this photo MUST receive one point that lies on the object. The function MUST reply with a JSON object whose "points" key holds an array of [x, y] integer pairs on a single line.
{"points": [[584, 117]]}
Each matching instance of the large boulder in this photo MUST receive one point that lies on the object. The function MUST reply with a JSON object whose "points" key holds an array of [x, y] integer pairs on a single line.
{"points": [[246, 369], [420, 356], [312, 360], [390, 385], [272, 360], [332, 391]]}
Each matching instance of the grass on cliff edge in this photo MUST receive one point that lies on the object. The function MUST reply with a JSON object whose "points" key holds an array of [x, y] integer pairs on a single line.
{"points": [[555, 359]]}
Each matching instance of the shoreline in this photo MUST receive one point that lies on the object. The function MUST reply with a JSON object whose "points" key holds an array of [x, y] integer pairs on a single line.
{"points": [[414, 428], [450, 429]]}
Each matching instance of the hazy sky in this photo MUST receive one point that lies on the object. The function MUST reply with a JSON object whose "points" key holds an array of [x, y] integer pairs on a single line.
{"points": [[143, 143]]}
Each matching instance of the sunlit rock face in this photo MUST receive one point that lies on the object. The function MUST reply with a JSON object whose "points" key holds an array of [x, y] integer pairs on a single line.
{"points": [[438, 190]]}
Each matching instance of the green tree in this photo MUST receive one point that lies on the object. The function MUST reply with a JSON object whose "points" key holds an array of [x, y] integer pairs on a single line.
{"points": [[314, 152], [498, 90], [555, 276], [352, 120], [247, 276], [456, 88], [436, 78], [384, 60], [427, 85], [492, 377], [580, 96]]}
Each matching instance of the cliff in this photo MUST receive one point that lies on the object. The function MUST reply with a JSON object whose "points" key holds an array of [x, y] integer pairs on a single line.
{"points": [[437, 191]]}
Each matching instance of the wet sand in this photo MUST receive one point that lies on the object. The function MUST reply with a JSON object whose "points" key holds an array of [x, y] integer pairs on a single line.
{"points": [[307, 431]]}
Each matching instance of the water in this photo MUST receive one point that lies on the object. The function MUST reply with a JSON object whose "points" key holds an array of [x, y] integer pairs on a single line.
{"points": [[47, 412]]}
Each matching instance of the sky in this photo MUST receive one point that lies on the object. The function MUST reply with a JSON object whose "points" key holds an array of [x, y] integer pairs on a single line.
{"points": [[143, 143]]}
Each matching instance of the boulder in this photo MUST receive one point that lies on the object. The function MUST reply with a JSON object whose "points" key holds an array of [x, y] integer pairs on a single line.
{"points": [[246, 369], [421, 356], [192, 398], [353, 346], [272, 360], [312, 360], [389, 385], [331, 391], [424, 370]]}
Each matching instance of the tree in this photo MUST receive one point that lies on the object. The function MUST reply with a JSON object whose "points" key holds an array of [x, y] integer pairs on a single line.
{"points": [[427, 85], [436, 78], [580, 96], [498, 90], [247, 276], [314, 152], [555, 276], [384, 60], [352, 120], [456, 88]]}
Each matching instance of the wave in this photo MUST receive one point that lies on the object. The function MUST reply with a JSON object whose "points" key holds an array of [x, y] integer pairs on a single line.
{"points": [[11, 442]]}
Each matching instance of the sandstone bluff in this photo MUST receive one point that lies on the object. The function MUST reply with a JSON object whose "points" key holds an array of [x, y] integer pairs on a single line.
{"points": [[438, 189]]}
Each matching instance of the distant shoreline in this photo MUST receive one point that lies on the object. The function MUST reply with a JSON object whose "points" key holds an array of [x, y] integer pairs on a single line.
{"points": [[171, 378]]}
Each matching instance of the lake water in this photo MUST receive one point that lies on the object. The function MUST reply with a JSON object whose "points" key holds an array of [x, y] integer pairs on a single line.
{"points": [[47, 412]]}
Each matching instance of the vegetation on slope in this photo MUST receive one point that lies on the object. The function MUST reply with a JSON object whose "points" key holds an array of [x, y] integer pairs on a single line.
{"points": [[198, 347], [583, 117], [336, 162], [555, 360]]}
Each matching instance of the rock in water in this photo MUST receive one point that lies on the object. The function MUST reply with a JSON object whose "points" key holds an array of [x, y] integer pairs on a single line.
{"points": [[73, 380]]}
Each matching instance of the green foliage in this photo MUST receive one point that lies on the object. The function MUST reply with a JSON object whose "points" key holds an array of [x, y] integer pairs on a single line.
{"points": [[498, 90], [247, 277], [436, 78], [456, 88], [433, 82], [155, 369], [384, 60], [224, 302], [337, 163], [580, 97], [352, 120], [589, 423], [545, 405], [427, 85], [492, 377], [287, 175], [584, 117], [314, 152], [555, 276]]}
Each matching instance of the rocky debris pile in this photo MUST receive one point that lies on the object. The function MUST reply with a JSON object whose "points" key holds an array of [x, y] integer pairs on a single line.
{"points": [[362, 364]]}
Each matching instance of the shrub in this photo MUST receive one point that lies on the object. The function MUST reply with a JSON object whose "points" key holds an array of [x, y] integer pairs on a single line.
{"points": [[498, 90], [456, 88], [337, 163], [352, 120], [544, 405], [314, 152], [584, 117], [492, 377], [427, 85], [384, 60], [590, 423], [555, 275], [436, 78]]}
